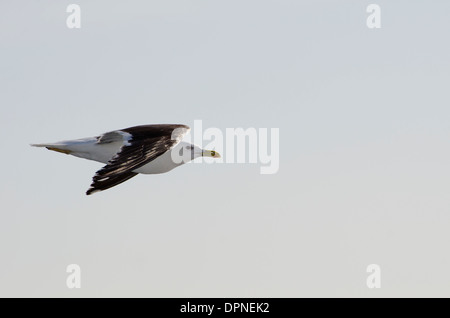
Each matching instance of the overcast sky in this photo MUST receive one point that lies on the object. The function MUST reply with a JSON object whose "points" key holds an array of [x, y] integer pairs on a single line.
{"points": [[364, 128]]}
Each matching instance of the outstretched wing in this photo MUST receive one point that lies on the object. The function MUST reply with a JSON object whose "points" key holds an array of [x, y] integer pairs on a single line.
{"points": [[142, 144]]}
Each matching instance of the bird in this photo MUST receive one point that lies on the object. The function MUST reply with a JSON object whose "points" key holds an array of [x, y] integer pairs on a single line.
{"points": [[145, 149]]}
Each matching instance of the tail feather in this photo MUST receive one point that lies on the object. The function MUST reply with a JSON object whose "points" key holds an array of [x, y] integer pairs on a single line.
{"points": [[40, 145], [53, 147]]}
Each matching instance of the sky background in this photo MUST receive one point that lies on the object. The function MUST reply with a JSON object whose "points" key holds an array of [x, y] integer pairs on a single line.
{"points": [[364, 148]]}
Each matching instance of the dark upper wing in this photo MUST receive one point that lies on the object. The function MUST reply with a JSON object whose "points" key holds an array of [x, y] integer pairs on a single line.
{"points": [[143, 144]]}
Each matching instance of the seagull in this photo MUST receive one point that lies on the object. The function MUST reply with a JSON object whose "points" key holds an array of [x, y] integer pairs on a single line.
{"points": [[146, 149]]}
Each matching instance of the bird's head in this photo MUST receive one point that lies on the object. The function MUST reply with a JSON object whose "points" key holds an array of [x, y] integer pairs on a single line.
{"points": [[196, 151]]}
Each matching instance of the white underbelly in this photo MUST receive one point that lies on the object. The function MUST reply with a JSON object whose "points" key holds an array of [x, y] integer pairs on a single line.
{"points": [[163, 163]]}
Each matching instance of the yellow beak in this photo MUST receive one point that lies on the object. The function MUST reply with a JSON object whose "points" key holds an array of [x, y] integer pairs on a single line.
{"points": [[210, 153]]}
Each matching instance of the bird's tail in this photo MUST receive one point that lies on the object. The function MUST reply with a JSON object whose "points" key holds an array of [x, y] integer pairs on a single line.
{"points": [[55, 147]]}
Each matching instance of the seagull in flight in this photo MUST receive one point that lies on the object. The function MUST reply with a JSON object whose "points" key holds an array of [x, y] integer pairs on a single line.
{"points": [[147, 149]]}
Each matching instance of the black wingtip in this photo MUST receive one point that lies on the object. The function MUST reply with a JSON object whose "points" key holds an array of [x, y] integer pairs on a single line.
{"points": [[92, 191], [100, 184]]}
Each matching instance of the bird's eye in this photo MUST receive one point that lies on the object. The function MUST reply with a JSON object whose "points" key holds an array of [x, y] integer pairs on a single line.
{"points": [[188, 147], [213, 153]]}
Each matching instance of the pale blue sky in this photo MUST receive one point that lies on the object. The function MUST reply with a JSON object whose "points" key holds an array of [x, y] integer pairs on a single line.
{"points": [[364, 151]]}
